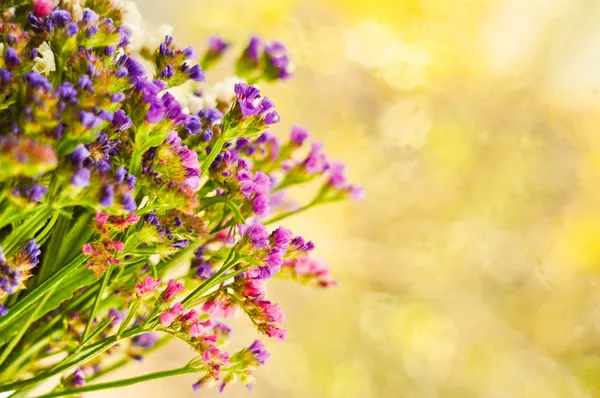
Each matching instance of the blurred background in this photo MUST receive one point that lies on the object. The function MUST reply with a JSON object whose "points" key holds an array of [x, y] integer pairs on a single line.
{"points": [[472, 269]]}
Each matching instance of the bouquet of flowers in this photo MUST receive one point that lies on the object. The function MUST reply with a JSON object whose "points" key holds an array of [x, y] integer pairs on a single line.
{"points": [[132, 213]]}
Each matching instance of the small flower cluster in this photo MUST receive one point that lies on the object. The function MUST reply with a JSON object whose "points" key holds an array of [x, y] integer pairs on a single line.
{"points": [[110, 181]]}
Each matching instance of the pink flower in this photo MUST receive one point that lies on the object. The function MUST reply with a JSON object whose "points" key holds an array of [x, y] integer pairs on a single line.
{"points": [[118, 246], [167, 317], [272, 311], [277, 333], [172, 289], [87, 249], [42, 8], [149, 285], [196, 329], [209, 307], [102, 218], [189, 316]]}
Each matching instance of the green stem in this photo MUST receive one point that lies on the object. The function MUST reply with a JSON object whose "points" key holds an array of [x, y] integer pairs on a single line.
{"points": [[207, 284], [130, 314], [24, 355], [215, 150], [40, 239], [122, 382], [290, 213], [136, 161], [124, 361], [15, 340], [34, 296], [27, 229], [73, 361], [97, 302]]}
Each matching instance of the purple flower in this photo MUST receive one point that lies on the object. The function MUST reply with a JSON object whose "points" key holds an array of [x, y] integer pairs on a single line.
{"points": [[145, 340], [34, 192], [28, 256], [260, 204], [121, 121], [258, 235], [252, 52], [278, 63], [89, 120], [316, 162], [67, 92], [258, 350], [107, 195], [203, 270], [3, 310], [61, 18], [89, 16], [36, 80], [188, 158], [193, 125], [221, 328], [72, 29], [79, 155], [78, 378], [246, 96], [134, 68], [91, 32], [173, 109], [217, 45], [128, 202], [180, 244], [81, 178], [156, 112], [298, 135], [189, 53], [282, 236], [85, 83], [11, 58], [195, 72], [116, 315], [36, 23], [168, 72], [337, 178], [117, 97], [5, 76], [210, 115], [356, 193]]}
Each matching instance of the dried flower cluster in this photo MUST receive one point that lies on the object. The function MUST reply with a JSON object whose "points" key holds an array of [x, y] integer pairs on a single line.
{"points": [[130, 213]]}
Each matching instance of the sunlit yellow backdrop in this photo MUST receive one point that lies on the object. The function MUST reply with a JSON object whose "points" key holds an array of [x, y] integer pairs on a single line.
{"points": [[473, 267]]}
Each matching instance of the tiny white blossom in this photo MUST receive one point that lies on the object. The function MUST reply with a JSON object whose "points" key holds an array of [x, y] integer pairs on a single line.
{"points": [[77, 12], [154, 258], [44, 62], [224, 90]]}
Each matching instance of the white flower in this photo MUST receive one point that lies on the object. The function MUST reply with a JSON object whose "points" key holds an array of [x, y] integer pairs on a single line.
{"points": [[154, 258], [1, 48], [224, 90], [77, 12], [44, 62], [196, 103]]}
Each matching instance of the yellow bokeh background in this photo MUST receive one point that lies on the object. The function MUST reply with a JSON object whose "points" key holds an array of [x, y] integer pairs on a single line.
{"points": [[472, 269]]}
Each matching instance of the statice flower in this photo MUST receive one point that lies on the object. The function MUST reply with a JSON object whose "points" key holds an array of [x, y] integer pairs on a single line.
{"points": [[115, 174]]}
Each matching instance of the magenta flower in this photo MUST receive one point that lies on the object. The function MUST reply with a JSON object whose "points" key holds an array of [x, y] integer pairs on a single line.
{"points": [[173, 287], [148, 285], [42, 8], [272, 311], [168, 317], [276, 332], [189, 160]]}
